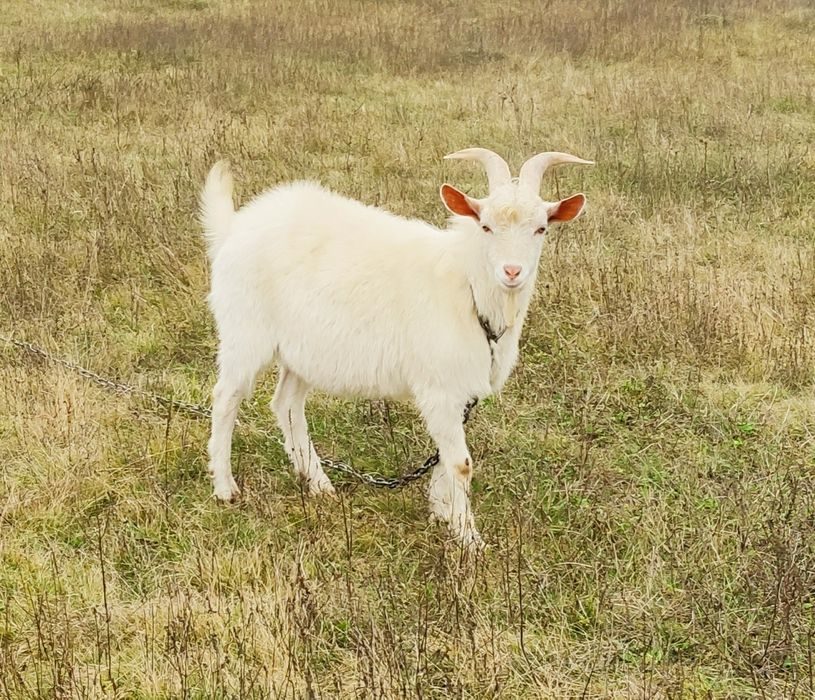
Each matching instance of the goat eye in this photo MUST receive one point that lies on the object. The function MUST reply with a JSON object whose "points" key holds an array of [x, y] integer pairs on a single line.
{"points": [[486, 229], [541, 230]]}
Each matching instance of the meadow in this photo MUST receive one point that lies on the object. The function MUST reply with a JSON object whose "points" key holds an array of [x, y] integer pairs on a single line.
{"points": [[646, 481]]}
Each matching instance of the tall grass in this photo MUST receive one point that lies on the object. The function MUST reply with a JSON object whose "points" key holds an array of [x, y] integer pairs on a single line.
{"points": [[645, 481]]}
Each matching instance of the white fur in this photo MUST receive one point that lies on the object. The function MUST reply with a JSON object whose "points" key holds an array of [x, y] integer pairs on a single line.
{"points": [[352, 300]]}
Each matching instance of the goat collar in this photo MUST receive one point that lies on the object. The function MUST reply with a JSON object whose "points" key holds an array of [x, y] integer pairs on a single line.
{"points": [[486, 326]]}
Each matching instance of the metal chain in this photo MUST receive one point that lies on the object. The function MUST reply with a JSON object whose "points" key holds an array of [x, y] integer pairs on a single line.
{"points": [[110, 384], [379, 481], [398, 481], [201, 411]]}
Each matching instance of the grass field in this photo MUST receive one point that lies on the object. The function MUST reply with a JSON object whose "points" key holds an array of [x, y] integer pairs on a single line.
{"points": [[646, 482]]}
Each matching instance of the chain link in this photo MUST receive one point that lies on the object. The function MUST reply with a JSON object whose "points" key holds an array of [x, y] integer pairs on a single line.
{"points": [[201, 411]]}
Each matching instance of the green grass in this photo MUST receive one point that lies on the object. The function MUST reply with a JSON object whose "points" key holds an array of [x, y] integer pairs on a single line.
{"points": [[645, 481]]}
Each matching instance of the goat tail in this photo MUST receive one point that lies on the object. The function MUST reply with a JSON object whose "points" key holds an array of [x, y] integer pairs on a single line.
{"points": [[216, 206]]}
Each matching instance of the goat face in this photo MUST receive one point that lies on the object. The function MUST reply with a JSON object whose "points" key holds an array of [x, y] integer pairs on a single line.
{"points": [[512, 220]]}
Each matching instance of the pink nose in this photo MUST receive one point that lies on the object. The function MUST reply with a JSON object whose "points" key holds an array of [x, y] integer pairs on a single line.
{"points": [[512, 271]]}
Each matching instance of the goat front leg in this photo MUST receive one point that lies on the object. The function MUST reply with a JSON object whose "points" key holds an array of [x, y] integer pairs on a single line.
{"points": [[450, 483]]}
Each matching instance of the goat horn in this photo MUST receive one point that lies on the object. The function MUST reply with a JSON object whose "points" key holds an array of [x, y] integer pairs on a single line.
{"points": [[532, 171], [497, 169]]}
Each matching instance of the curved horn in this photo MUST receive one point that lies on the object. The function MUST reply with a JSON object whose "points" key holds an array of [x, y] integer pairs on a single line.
{"points": [[497, 169], [532, 171]]}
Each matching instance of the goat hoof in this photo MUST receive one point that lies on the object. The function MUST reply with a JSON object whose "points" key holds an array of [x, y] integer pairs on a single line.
{"points": [[439, 512], [438, 518], [227, 491], [466, 535], [474, 542], [470, 541], [320, 485]]}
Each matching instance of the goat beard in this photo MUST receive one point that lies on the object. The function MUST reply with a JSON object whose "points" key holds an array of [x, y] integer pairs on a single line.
{"points": [[511, 308]]}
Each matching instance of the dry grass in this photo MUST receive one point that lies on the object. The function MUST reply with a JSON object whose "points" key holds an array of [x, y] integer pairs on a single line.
{"points": [[645, 482]]}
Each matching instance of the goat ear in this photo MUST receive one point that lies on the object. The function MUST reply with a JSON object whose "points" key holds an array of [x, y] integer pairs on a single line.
{"points": [[567, 209], [459, 203]]}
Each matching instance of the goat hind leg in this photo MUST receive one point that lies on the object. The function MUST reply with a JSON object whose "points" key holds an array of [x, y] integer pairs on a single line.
{"points": [[226, 398], [289, 404]]}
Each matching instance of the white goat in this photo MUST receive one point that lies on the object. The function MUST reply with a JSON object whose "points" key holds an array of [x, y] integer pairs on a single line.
{"points": [[355, 301]]}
